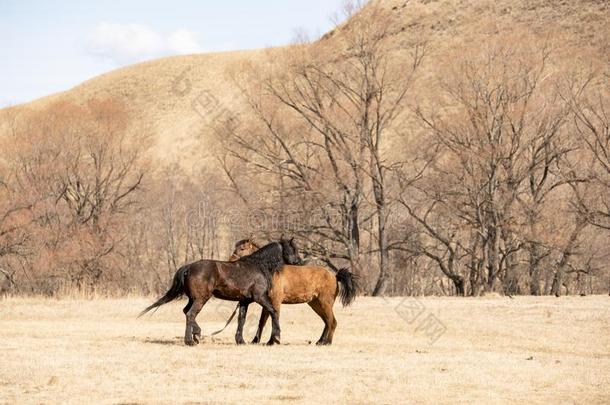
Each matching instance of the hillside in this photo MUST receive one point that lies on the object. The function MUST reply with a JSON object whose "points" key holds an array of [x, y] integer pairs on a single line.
{"points": [[170, 97]]}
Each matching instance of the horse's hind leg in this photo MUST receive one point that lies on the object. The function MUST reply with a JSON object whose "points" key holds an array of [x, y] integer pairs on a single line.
{"points": [[324, 308], [315, 305], [193, 331], [188, 306], [196, 330], [241, 320], [261, 326]]}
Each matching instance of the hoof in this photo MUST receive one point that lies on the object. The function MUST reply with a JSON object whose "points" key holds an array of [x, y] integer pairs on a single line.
{"points": [[322, 343], [273, 341], [196, 338], [255, 341], [240, 341], [190, 342]]}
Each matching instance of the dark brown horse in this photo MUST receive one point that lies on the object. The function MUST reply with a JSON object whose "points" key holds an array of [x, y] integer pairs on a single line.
{"points": [[315, 285], [245, 280]]}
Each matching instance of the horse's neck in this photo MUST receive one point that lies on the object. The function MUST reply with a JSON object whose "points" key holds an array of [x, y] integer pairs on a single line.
{"points": [[270, 252]]}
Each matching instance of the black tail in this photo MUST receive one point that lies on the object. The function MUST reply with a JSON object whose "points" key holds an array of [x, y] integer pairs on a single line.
{"points": [[349, 286], [174, 292]]}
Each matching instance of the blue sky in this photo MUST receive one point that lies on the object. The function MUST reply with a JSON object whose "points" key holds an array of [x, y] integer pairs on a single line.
{"points": [[51, 45]]}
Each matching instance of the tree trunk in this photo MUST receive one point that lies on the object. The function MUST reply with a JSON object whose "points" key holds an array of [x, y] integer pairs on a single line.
{"points": [[458, 281], [354, 225], [474, 280], [352, 230], [382, 280], [511, 279], [534, 256], [381, 210], [534, 268], [565, 257], [493, 259]]}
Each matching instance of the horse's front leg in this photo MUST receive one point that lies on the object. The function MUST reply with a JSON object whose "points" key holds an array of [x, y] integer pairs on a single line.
{"points": [[261, 325], [241, 320], [267, 304]]}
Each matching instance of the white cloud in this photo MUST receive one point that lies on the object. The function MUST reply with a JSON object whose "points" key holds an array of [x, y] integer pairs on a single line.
{"points": [[183, 41], [129, 43]]}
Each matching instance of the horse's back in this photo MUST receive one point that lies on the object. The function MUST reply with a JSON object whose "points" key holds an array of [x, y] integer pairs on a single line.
{"points": [[302, 283], [199, 277]]}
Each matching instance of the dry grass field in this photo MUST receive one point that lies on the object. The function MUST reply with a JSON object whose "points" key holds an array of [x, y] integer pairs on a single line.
{"points": [[439, 350]]}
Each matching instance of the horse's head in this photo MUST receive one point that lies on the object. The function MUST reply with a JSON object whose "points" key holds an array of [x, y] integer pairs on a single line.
{"points": [[243, 248], [290, 252]]}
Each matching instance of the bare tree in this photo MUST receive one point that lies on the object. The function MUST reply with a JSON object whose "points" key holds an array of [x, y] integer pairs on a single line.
{"points": [[342, 107], [15, 217], [437, 240], [84, 168], [500, 142], [588, 99]]}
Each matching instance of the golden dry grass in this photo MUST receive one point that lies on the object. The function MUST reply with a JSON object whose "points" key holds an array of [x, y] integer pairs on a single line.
{"points": [[496, 350]]}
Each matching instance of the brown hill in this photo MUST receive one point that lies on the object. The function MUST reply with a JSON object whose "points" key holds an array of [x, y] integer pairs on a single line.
{"points": [[175, 98]]}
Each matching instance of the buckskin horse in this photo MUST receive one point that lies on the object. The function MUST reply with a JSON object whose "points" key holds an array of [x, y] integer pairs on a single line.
{"points": [[246, 280], [314, 285]]}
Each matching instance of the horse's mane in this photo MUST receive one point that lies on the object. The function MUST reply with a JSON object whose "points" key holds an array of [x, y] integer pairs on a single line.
{"points": [[247, 240], [269, 258]]}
